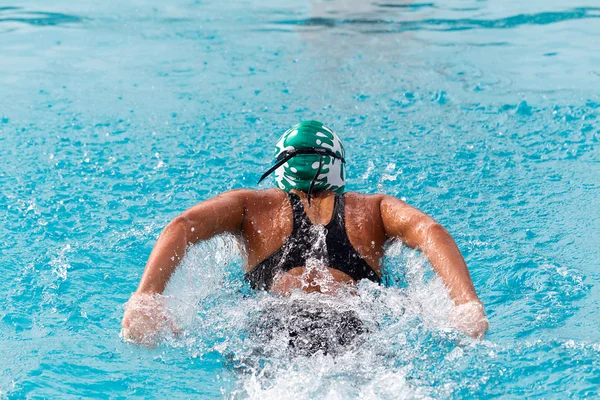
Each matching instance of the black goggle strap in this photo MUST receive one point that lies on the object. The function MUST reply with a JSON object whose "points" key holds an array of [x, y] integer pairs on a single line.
{"points": [[278, 164], [314, 179], [287, 155]]}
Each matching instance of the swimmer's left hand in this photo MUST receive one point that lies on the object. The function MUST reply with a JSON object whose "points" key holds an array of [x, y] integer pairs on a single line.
{"points": [[470, 319]]}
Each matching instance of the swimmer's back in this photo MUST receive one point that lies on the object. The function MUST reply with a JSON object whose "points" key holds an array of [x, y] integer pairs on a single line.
{"points": [[268, 221]]}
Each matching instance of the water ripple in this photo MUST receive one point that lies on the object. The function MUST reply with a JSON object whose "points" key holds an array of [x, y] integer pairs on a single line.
{"points": [[542, 18], [414, 6], [36, 18]]}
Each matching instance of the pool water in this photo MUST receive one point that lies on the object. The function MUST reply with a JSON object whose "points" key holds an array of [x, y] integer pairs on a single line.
{"points": [[116, 116]]}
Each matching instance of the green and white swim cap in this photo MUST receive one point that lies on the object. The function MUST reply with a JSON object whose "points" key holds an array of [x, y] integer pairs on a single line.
{"points": [[310, 158]]}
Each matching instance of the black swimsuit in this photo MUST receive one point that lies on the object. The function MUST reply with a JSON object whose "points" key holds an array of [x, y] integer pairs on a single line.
{"points": [[305, 243]]}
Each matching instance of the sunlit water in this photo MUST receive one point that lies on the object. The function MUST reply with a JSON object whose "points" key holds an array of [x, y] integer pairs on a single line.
{"points": [[116, 116]]}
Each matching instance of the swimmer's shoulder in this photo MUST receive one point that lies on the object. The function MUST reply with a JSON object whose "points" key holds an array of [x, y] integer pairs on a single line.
{"points": [[375, 198], [256, 199], [374, 203], [363, 199], [252, 194], [274, 197], [364, 208]]}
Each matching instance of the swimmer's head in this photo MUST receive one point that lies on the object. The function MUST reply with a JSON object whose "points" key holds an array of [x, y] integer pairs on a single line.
{"points": [[310, 158]]}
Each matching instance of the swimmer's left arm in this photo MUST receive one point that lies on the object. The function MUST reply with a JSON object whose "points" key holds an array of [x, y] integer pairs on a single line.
{"points": [[418, 230]]}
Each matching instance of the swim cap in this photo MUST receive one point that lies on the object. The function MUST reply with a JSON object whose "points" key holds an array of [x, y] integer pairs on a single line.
{"points": [[310, 157]]}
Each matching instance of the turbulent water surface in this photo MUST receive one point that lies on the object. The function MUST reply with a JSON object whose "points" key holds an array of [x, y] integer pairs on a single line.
{"points": [[116, 116]]}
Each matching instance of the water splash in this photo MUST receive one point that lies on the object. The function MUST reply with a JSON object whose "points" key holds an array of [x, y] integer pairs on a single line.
{"points": [[401, 328], [60, 264]]}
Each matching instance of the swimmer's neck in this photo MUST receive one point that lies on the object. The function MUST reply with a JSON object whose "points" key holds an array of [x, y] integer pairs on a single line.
{"points": [[321, 194]]}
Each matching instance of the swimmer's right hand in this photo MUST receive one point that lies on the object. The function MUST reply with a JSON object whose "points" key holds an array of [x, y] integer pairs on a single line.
{"points": [[146, 320]]}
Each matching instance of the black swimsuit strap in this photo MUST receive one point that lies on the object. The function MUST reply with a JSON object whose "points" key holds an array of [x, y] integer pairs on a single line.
{"points": [[298, 215], [338, 217]]}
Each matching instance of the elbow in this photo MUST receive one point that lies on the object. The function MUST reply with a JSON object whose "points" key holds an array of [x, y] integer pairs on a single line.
{"points": [[179, 222], [435, 230], [178, 226], [431, 232]]}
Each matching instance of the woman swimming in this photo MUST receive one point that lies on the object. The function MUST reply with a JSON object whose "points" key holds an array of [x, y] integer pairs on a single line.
{"points": [[308, 234]]}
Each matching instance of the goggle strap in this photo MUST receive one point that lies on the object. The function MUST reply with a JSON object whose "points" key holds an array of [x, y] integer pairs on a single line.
{"points": [[311, 150], [312, 183], [287, 155], [277, 165]]}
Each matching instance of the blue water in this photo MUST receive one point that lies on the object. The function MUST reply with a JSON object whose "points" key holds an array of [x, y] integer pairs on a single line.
{"points": [[116, 116]]}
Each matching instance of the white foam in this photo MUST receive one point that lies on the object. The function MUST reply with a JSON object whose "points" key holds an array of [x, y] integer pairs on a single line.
{"points": [[206, 297]]}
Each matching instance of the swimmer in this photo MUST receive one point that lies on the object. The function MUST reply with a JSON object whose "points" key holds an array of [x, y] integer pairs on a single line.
{"points": [[307, 234]]}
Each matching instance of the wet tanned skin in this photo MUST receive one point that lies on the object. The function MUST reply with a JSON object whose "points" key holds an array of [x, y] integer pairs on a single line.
{"points": [[262, 220], [265, 230]]}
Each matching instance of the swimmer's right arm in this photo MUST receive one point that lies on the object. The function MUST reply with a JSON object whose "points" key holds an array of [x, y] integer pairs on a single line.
{"points": [[418, 230], [144, 315], [221, 214]]}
